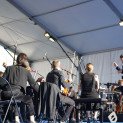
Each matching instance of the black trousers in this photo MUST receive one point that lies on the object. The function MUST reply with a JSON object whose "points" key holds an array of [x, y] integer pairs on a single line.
{"points": [[70, 104], [20, 96]]}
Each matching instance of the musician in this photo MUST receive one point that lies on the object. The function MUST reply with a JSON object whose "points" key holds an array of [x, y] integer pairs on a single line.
{"points": [[56, 77], [18, 76], [120, 88], [117, 67], [120, 82], [87, 85]]}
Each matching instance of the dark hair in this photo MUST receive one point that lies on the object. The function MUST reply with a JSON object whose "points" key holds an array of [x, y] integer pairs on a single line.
{"points": [[22, 59], [121, 56]]}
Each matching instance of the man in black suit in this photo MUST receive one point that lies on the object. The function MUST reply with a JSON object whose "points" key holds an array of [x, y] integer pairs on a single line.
{"points": [[56, 77], [117, 67]]}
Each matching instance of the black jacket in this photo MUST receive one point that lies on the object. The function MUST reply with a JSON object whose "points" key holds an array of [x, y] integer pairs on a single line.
{"points": [[18, 75], [57, 77], [118, 68], [48, 97]]}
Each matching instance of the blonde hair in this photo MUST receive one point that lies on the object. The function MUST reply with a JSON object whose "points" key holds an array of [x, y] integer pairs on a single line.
{"points": [[55, 64], [120, 82], [89, 67]]}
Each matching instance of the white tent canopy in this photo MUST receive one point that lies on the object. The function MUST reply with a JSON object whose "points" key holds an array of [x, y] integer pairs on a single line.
{"points": [[17, 30], [84, 26]]}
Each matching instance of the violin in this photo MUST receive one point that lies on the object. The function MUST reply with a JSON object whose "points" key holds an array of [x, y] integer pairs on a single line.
{"points": [[65, 91]]}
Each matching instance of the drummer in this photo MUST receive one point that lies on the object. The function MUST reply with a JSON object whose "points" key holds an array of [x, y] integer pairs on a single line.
{"points": [[120, 88]]}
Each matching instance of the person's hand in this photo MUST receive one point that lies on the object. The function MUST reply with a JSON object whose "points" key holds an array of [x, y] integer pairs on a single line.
{"points": [[119, 71], [115, 64]]}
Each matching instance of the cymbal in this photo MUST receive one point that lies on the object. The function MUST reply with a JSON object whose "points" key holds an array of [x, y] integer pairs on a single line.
{"points": [[109, 84]]}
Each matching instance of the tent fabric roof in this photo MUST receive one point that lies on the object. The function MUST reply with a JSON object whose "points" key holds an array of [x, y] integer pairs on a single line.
{"points": [[84, 26]]}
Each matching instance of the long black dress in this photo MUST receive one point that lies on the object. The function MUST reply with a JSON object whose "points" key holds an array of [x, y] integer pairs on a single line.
{"points": [[88, 83]]}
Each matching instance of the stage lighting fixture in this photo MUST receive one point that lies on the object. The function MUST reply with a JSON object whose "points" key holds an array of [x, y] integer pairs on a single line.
{"points": [[121, 23], [46, 34], [51, 39]]}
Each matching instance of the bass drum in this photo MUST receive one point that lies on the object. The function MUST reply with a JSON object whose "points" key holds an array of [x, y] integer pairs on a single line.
{"points": [[109, 107], [102, 92]]}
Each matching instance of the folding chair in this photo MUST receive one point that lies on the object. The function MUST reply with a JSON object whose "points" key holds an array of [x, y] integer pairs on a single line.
{"points": [[3, 83]]}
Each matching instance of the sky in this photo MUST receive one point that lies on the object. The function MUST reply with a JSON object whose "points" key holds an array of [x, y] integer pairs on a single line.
{"points": [[5, 57]]}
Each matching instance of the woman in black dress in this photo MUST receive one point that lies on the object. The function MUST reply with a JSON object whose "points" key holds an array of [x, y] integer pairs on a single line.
{"points": [[88, 85]]}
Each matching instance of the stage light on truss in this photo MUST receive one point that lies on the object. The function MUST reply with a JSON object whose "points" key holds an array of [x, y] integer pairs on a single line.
{"points": [[51, 39], [46, 34], [121, 23]]}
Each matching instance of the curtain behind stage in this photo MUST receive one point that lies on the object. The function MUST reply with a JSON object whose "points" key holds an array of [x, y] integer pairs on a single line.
{"points": [[103, 66]]}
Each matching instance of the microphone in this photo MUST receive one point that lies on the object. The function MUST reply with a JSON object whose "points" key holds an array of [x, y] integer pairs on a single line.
{"points": [[46, 54]]}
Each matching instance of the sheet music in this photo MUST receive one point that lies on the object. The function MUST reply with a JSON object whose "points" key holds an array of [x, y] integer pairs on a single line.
{"points": [[34, 74]]}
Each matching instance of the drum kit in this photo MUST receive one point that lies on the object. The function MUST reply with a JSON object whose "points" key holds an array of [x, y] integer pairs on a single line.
{"points": [[113, 96]]}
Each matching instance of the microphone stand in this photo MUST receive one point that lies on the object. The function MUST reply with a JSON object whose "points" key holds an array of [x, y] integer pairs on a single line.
{"points": [[40, 74], [80, 61], [48, 59], [14, 54]]}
